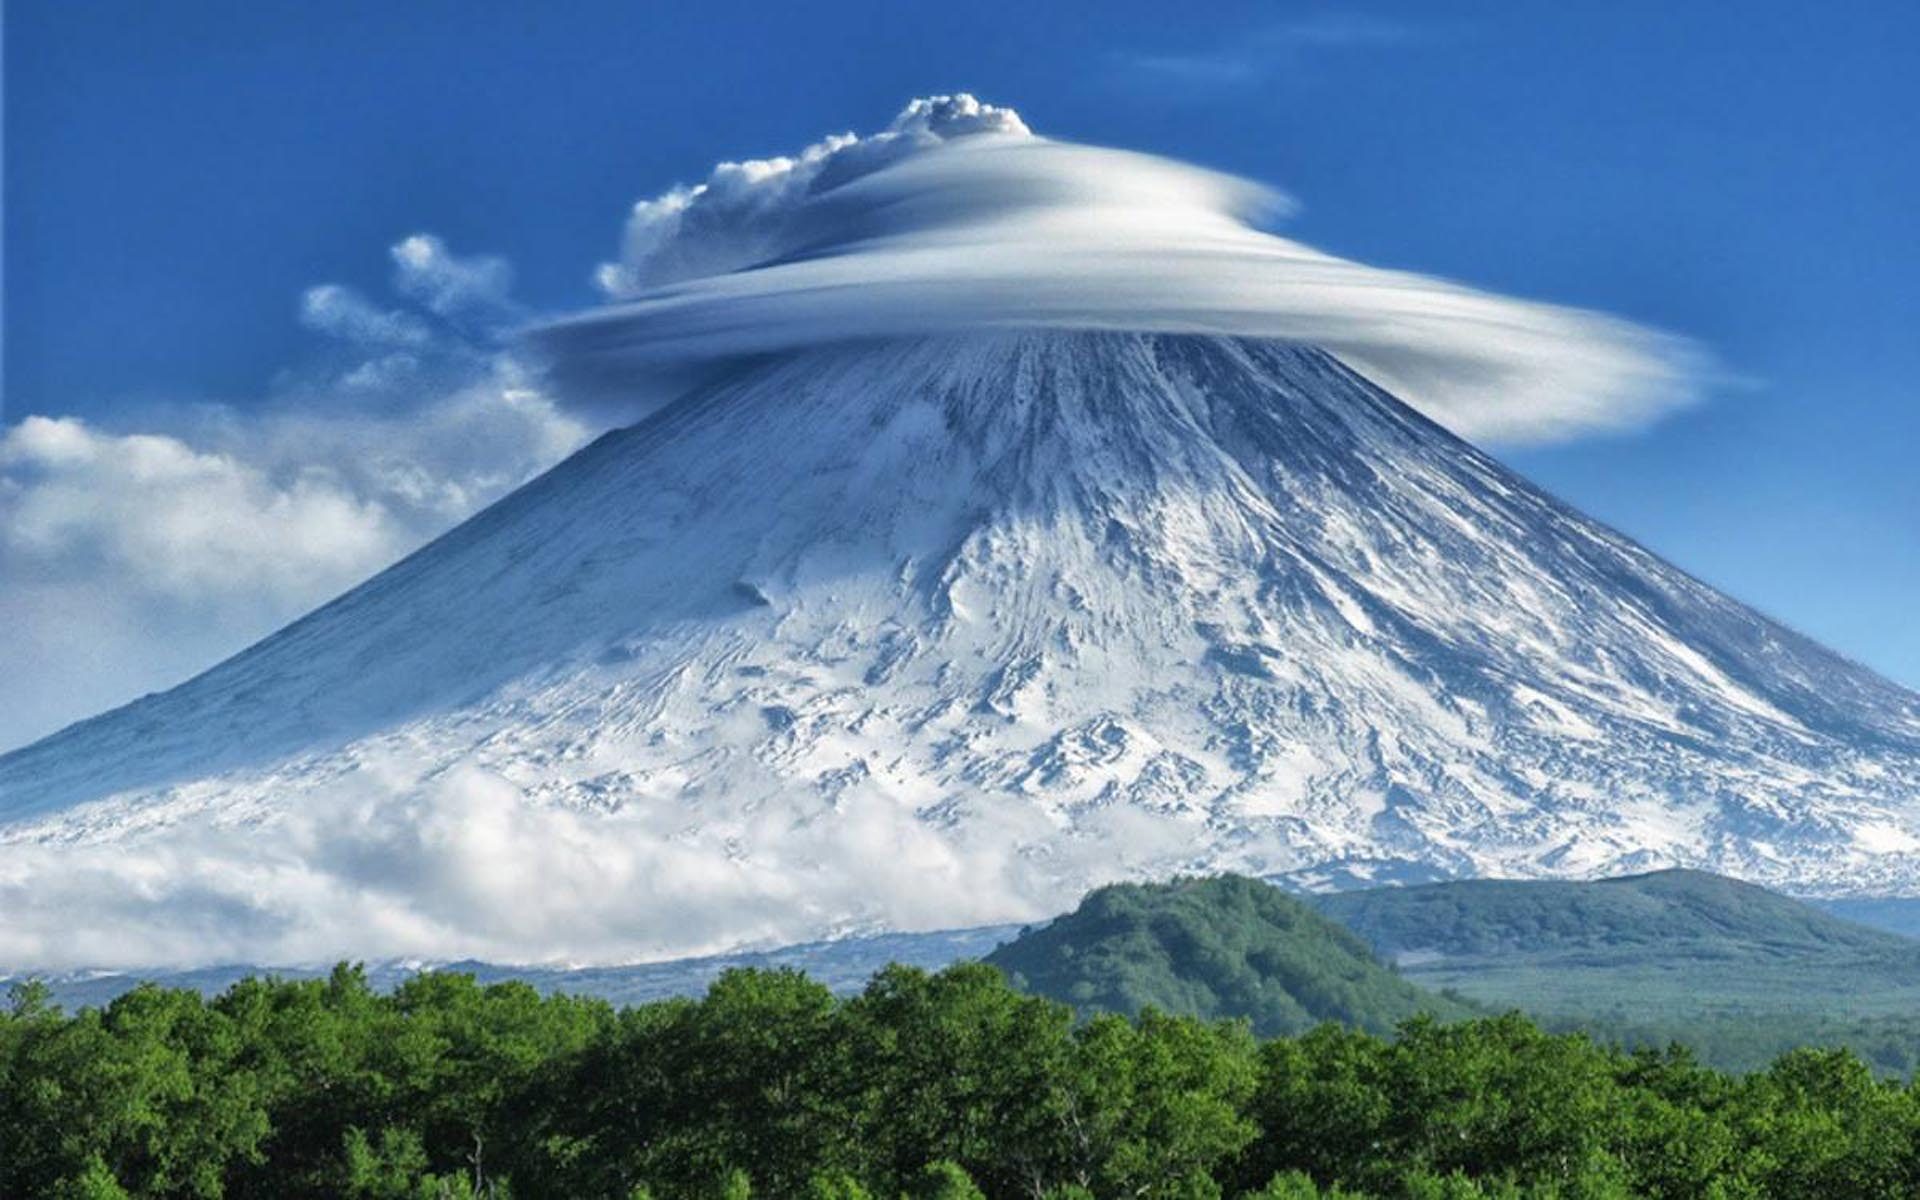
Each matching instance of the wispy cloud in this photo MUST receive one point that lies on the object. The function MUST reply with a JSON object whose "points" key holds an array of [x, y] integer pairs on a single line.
{"points": [[474, 292], [340, 312], [1269, 50], [135, 553]]}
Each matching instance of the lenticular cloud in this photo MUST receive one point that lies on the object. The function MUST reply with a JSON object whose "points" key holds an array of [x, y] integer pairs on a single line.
{"points": [[957, 217]]}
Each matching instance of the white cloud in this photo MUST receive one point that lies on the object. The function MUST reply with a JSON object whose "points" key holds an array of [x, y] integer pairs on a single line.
{"points": [[746, 212], [463, 864], [919, 230], [181, 521], [343, 313], [474, 289], [131, 558]]}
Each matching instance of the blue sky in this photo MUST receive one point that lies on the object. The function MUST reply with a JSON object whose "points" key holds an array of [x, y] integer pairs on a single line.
{"points": [[177, 175]]}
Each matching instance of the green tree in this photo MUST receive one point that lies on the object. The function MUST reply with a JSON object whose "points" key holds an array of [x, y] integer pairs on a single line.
{"points": [[958, 1067], [1156, 1105], [93, 1181], [946, 1086], [944, 1180], [836, 1185]]}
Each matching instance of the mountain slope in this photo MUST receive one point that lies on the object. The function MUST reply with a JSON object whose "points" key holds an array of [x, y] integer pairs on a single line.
{"points": [[1226, 946], [1050, 609]]}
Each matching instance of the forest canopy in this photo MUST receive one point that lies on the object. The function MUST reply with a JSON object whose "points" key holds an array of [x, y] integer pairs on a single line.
{"points": [[923, 1085]]}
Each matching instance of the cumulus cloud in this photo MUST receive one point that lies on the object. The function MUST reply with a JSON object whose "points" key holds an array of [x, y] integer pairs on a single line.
{"points": [[937, 225], [748, 212], [181, 520], [387, 864], [132, 557]]}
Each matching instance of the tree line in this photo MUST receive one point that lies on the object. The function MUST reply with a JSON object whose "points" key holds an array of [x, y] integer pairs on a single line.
{"points": [[950, 1085]]}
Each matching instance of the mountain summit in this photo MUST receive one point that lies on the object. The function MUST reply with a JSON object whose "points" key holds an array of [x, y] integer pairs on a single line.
{"points": [[1051, 609]]}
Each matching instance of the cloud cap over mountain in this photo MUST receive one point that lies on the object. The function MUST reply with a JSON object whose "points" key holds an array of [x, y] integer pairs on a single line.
{"points": [[958, 217]]}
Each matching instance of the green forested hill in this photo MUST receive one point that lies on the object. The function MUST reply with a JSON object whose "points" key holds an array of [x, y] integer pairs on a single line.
{"points": [[1224, 946], [1737, 972], [1667, 912]]}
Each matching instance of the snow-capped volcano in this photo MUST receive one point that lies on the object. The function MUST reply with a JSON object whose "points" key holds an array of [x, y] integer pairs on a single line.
{"points": [[1040, 518], [942, 630]]}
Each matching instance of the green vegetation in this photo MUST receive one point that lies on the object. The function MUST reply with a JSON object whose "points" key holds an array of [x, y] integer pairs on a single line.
{"points": [[951, 1086], [1691, 913], [1224, 946], [961, 1086], [1737, 972]]}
